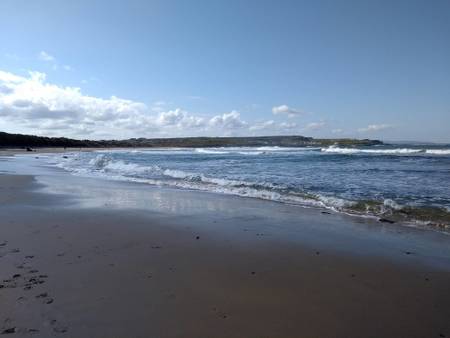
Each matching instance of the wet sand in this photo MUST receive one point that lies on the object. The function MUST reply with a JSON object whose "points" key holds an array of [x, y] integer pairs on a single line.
{"points": [[83, 258], [44, 150]]}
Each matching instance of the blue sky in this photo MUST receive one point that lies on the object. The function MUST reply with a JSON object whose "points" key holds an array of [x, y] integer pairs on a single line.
{"points": [[100, 69]]}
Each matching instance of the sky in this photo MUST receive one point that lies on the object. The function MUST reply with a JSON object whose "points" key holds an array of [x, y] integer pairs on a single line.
{"points": [[141, 68]]}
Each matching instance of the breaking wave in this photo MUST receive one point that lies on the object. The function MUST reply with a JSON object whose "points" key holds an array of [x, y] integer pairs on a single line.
{"points": [[395, 151], [105, 165], [209, 151], [438, 151]]}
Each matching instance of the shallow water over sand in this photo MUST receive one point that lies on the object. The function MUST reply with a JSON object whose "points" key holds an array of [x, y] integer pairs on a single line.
{"points": [[404, 183]]}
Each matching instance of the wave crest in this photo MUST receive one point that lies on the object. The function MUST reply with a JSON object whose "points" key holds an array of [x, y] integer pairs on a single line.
{"points": [[396, 151]]}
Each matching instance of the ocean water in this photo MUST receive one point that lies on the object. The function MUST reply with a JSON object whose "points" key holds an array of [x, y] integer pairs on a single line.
{"points": [[399, 183]]}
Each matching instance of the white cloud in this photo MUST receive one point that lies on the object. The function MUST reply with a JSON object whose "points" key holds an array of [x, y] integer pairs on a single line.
{"points": [[284, 109], [315, 125], [44, 56], [263, 125], [288, 125], [179, 119], [375, 128], [272, 127], [230, 120], [337, 131], [32, 105]]}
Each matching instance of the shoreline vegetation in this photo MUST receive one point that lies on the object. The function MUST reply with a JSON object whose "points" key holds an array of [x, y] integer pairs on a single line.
{"points": [[24, 141]]}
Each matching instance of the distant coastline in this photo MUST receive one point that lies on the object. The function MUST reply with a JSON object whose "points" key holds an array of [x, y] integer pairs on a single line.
{"points": [[20, 140]]}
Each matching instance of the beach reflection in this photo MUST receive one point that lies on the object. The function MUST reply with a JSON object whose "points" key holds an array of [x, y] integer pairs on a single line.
{"points": [[92, 193]]}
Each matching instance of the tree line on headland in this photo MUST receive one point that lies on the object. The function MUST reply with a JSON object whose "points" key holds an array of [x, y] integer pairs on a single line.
{"points": [[31, 141]]}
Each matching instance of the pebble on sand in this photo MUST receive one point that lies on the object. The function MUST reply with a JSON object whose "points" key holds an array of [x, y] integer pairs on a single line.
{"points": [[9, 330]]}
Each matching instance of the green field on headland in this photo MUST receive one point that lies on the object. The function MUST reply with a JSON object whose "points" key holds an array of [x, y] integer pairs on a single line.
{"points": [[19, 140]]}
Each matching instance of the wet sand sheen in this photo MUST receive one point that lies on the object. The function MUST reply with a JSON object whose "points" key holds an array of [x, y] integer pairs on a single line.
{"points": [[104, 271]]}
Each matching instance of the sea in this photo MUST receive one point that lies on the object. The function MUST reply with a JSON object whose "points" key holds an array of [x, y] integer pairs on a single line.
{"points": [[394, 183]]}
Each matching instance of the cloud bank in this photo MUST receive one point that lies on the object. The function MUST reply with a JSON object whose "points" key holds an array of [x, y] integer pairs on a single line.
{"points": [[30, 104]]}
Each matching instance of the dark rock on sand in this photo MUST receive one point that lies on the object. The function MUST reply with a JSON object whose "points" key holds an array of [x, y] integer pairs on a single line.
{"points": [[9, 330], [385, 220]]}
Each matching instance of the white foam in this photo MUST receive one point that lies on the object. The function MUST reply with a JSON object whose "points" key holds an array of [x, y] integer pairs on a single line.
{"points": [[438, 151], [100, 161], [334, 149], [251, 153], [334, 202], [210, 151], [105, 166], [392, 204], [126, 168], [337, 150], [279, 149], [178, 174]]}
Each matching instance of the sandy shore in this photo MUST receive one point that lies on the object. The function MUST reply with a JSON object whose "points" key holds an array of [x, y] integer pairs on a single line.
{"points": [[44, 150], [89, 258]]}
